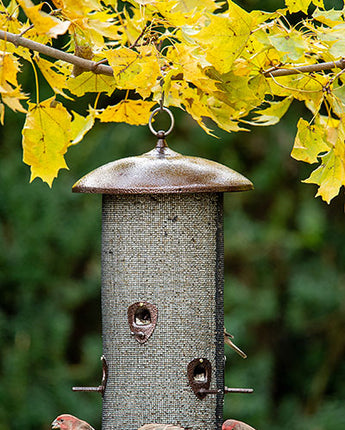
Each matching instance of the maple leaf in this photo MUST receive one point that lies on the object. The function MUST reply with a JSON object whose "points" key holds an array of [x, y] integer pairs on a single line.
{"points": [[310, 142], [273, 113], [77, 7], [224, 38], [135, 112], [9, 68], [11, 97], [80, 126], [9, 89], [89, 82], [330, 176], [302, 5], [196, 5], [135, 70], [57, 81], [46, 137], [42, 22], [193, 66], [292, 44]]}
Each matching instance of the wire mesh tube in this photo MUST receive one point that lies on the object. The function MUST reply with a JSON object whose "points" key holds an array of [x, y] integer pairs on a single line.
{"points": [[165, 250]]}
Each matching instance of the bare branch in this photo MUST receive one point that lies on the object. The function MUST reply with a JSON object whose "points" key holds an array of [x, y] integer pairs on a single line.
{"points": [[88, 65], [340, 64]]}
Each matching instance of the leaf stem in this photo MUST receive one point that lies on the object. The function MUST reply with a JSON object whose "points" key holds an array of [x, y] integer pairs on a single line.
{"points": [[96, 101], [36, 81]]}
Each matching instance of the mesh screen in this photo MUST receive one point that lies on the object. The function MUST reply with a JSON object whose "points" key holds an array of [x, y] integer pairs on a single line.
{"points": [[166, 250]]}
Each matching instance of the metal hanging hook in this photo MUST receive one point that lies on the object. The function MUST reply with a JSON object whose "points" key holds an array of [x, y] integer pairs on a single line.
{"points": [[153, 113]]}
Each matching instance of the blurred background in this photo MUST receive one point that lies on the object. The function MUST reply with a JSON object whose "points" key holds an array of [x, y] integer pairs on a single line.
{"points": [[284, 277]]}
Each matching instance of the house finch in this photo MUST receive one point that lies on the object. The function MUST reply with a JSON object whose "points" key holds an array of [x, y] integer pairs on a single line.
{"points": [[155, 426], [69, 422], [236, 425], [228, 341]]}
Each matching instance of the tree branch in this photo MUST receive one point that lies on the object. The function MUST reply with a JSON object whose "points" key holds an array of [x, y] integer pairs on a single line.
{"points": [[89, 65], [340, 64], [97, 67]]}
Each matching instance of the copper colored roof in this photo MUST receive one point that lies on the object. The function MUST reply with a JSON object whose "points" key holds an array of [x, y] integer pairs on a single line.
{"points": [[161, 171]]}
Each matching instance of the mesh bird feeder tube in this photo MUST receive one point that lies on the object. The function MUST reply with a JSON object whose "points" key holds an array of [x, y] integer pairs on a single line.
{"points": [[162, 288]]}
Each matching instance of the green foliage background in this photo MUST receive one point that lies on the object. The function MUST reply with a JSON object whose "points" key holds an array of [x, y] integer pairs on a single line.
{"points": [[284, 289]]}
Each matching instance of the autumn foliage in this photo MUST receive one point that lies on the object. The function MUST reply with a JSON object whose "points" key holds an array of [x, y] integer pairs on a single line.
{"points": [[212, 59]]}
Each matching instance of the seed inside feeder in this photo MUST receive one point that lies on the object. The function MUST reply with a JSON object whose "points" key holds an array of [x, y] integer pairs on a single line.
{"points": [[200, 374], [142, 316]]}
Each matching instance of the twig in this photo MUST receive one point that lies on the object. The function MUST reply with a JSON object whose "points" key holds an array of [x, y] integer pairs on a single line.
{"points": [[340, 64], [138, 38], [26, 29], [56, 53]]}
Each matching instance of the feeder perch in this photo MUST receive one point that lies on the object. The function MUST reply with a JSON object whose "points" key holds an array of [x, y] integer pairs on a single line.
{"points": [[162, 287]]}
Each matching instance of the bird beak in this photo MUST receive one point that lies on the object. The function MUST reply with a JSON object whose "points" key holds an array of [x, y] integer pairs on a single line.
{"points": [[55, 425]]}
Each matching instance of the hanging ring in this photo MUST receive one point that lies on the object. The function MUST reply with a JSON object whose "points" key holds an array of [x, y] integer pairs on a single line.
{"points": [[153, 113]]}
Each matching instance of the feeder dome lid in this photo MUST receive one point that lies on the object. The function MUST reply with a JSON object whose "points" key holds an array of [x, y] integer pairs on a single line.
{"points": [[161, 171]]}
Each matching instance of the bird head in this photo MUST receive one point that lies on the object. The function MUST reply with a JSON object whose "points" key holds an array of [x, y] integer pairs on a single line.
{"points": [[236, 425], [64, 422]]}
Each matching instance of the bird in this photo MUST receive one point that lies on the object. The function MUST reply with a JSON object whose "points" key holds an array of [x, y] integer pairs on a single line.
{"points": [[70, 422], [154, 426], [236, 425], [228, 341]]}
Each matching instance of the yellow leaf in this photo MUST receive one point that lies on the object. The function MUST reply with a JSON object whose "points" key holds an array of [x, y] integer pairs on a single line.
{"points": [[80, 126], [329, 17], [135, 70], [259, 85], [310, 142], [240, 92], [46, 137], [292, 43], [9, 89], [223, 115], [43, 23], [174, 92], [259, 52], [90, 82], [272, 114], [330, 176], [224, 38], [196, 105], [9, 68], [241, 67], [57, 81], [77, 7], [12, 100], [196, 5], [298, 5], [187, 61], [135, 112]]}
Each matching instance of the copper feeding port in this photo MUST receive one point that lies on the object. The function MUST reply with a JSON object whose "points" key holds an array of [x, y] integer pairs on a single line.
{"points": [[142, 319], [199, 376]]}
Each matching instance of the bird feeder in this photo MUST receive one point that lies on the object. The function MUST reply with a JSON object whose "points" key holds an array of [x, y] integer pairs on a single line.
{"points": [[162, 287]]}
